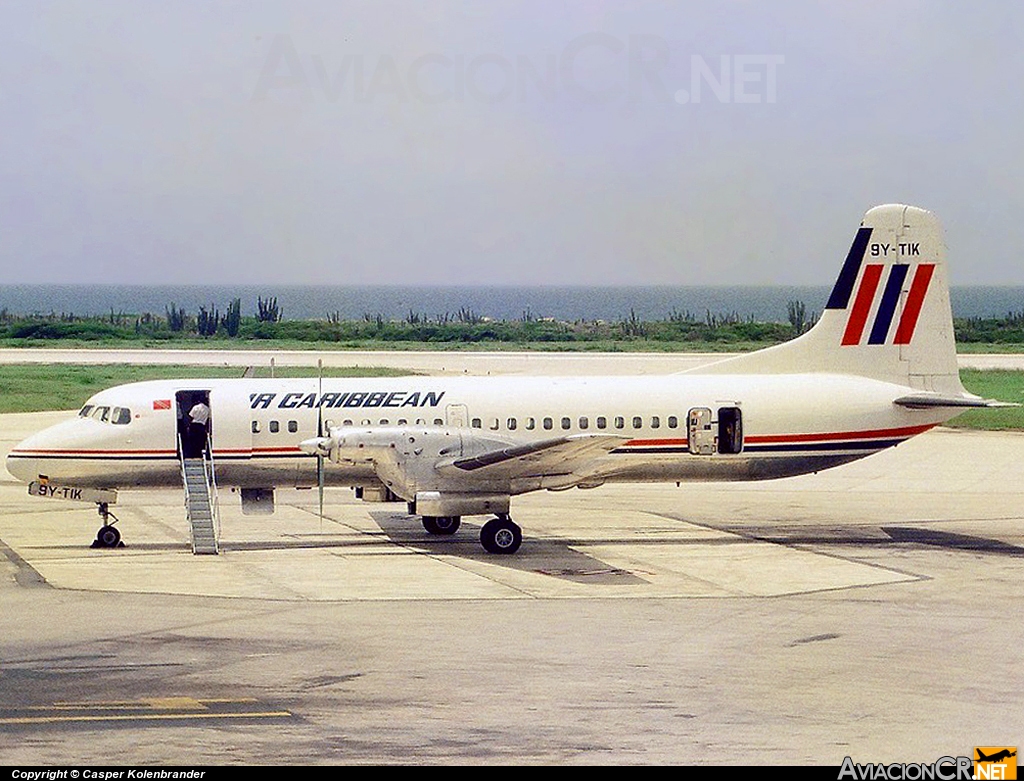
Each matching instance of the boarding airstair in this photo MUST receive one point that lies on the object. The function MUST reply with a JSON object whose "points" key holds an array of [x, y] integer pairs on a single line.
{"points": [[201, 505]]}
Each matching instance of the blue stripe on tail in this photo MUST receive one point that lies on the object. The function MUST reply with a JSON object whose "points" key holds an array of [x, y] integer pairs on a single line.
{"points": [[841, 293], [887, 308]]}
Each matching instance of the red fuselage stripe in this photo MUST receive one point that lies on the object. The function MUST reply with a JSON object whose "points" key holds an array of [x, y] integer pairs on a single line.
{"points": [[907, 431]]}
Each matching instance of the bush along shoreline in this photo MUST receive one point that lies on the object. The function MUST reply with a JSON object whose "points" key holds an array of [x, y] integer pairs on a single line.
{"points": [[211, 325]]}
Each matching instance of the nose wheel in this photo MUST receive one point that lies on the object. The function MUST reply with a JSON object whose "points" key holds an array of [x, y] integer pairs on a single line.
{"points": [[108, 536]]}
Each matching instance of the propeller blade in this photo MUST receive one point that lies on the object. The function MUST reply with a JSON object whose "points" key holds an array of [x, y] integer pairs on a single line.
{"points": [[320, 484], [320, 434]]}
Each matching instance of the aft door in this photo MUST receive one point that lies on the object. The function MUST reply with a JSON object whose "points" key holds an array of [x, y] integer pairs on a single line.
{"points": [[710, 432], [700, 432], [730, 430]]}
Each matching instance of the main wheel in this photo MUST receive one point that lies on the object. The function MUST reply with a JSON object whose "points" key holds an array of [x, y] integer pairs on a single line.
{"points": [[108, 537], [444, 524], [501, 535]]}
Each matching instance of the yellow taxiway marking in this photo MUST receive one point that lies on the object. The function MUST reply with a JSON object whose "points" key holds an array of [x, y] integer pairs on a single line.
{"points": [[161, 703], [150, 709], [144, 717]]}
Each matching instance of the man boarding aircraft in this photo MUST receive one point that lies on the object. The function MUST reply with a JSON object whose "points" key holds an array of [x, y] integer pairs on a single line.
{"points": [[878, 368]]}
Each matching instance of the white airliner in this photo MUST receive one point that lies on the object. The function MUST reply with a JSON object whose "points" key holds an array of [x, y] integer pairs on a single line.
{"points": [[878, 368]]}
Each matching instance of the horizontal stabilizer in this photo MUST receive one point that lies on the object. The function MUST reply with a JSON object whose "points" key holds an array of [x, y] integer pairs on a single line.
{"points": [[928, 400]]}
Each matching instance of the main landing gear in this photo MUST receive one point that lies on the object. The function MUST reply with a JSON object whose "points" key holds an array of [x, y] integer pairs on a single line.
{"points": [[108, 536], [501, 535], [498, 535], [445, 524]]}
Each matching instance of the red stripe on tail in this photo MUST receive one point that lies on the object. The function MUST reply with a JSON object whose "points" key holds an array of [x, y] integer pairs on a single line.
{"points": [[862, 304], [918, 288]]}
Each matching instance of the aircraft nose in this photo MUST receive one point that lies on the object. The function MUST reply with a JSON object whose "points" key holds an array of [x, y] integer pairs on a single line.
{"points": [[25, 460], [20, 464]]}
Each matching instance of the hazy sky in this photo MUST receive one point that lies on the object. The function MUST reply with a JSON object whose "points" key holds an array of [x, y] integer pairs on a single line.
{"points": [[497, 142]]}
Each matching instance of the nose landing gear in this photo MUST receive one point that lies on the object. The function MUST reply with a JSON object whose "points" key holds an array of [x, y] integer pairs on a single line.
{"points": [[108, 536]]}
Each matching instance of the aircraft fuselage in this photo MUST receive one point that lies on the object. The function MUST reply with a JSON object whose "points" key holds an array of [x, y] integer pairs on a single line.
{"points": [[675, 428]]}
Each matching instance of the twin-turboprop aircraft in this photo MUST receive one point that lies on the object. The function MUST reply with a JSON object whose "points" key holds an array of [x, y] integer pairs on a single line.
{"points": [[878, 368]]}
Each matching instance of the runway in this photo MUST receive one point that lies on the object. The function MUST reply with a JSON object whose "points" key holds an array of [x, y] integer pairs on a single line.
{"points": [[473, 362], [870, 611]]}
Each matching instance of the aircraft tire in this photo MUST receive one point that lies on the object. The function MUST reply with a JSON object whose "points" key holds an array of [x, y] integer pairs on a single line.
{"points": [[108, 537], [501, 535], [444, 525]]}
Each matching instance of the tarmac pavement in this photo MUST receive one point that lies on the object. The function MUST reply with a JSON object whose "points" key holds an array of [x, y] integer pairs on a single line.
{"points": [[870, 611]]}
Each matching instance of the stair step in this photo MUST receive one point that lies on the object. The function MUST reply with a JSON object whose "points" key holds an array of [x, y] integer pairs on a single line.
{"points": [[199, 507]]}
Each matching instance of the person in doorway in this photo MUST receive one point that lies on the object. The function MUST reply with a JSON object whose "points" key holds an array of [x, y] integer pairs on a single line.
{"points": [[198, 423]]}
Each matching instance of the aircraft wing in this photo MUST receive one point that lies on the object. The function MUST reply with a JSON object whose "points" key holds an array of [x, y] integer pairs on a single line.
{"points": [[549, 457]]}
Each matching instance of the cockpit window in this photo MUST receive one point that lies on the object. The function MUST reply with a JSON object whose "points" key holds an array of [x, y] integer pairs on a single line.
{"points": [[119, 416]]}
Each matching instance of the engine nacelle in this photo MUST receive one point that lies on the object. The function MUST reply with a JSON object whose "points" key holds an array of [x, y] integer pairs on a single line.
{"points": [[441, 504]]}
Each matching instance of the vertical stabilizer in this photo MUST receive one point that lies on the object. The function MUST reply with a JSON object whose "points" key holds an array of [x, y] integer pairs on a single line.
{"points": [[888, 316]]}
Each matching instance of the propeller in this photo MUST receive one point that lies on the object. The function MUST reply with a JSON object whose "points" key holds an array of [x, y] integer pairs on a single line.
{"points": [[320, 434]]}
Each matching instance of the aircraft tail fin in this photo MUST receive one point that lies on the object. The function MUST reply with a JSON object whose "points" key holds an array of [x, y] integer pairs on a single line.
{"points": [[888, 317]]}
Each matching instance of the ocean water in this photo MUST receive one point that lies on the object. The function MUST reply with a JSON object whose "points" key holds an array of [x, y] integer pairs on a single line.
{"points": [[500, 303]]}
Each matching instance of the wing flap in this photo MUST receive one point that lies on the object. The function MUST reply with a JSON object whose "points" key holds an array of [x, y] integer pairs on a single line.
{"points": [[549, 457]]}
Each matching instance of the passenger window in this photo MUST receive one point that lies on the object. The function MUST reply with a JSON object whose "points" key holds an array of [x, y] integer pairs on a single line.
{"points": [[549, 423], [531, 424], [602, 422], [293, 426], [438, 422], [476, 423], [402, 422], [673, 421], [566, 423], [638, 422], [493, 424], [655, 422], [274, 427], [384, 422], [255, 427], [346, 422], [511, 424], [584, 423], [620, 422]]}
